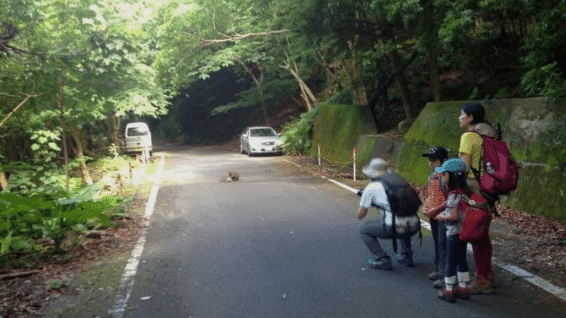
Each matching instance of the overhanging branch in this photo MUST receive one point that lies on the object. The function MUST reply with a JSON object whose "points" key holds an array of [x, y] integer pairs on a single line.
{"points": [[237, 37]]}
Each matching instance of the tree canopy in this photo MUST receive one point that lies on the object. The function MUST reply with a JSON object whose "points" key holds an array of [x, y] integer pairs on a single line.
{"points": [[80, 67]]}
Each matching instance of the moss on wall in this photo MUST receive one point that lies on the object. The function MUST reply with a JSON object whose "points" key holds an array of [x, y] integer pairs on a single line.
{"points": [[337, 130], [535, 130]]}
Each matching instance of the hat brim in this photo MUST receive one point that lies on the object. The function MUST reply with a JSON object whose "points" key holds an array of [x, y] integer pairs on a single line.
{"points": [[440, 170], [373, 173]]}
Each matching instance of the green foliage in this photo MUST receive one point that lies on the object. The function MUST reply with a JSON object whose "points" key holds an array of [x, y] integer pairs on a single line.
{"points": [[36, 178], [26, 219], [545, 74], [297, 133], [45, 145]]}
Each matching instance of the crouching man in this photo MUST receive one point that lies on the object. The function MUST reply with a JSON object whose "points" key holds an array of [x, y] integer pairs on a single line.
{"points": [[398, 203]]}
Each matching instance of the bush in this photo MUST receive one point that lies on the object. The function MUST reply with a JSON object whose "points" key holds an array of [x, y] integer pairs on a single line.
{"points": [[24, 220], [297, 133]]}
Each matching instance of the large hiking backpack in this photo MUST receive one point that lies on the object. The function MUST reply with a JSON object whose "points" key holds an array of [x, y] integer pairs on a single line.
{"points": [[500, 170], [404, 202]]}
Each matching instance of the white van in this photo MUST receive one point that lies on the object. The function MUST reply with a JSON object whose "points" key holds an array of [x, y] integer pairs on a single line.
{"points": [[138, 138]]}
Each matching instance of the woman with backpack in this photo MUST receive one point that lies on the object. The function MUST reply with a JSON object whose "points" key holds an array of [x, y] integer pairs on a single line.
{"points": [[471, 119], [456, 270]]}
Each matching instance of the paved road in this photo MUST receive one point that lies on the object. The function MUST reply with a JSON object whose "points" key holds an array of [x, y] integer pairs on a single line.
{"points": [[281, 244]]}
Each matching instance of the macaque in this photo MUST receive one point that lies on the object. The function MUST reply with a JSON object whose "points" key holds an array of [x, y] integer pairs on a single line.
{"points": [[232, 176]]}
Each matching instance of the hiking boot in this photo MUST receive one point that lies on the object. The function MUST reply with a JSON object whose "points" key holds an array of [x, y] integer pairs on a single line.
{"points": [[463, 293], [438, 284], [447, 295], [406, 260], [480, 286], [381, 262], [433, 276]]}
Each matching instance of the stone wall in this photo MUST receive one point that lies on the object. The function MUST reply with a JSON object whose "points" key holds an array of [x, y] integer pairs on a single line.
{"points": [[535, 130]]}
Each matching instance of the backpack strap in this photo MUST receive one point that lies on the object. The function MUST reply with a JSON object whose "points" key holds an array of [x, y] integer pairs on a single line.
{"points": [[477, 172], [392, 196]]}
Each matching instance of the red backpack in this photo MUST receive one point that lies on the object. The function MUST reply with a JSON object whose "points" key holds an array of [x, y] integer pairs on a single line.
{"points": [[501, 171], [476, 217]]}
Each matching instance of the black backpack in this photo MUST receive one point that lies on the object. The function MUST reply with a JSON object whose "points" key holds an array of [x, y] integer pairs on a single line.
{"points": [[404, 202]]}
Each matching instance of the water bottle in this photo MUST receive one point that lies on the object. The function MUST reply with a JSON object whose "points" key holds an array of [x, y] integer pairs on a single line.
{"points": [[489, 168]]}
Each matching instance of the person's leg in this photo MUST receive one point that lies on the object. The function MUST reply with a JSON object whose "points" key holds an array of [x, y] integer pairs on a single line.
{"points": [[441, 265], [370, 231], [448, 293], [483, 252], [406, 257], [441, 245], [463, 272], [434, 229]]}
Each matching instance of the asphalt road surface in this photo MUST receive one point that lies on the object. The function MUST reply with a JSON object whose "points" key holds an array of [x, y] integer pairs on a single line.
{"points": [[278, 243]]}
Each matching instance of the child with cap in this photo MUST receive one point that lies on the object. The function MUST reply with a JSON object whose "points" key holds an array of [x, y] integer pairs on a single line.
{"points": [[434, 205], [453, 173]]}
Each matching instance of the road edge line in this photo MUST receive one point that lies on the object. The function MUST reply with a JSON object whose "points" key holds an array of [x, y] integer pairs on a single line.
{"points": [[127, 281], [515, 270]]}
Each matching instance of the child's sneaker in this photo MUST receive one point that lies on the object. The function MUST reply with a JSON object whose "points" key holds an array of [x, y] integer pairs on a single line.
{"points": [[447, 295], [463, 293]]}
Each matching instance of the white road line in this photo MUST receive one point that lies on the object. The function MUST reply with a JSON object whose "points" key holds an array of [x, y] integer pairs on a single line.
{"points": [[291, 162], [127, 282], [531, 278]]}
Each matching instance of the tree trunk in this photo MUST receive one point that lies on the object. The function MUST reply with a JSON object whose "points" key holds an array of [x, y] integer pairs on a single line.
{"points": [[358, 88], [78, 150], [61, 101], [115, 131], [259, 82], [332, 83], [401, 84], [432, 57], [432, 44], [306, 93], [3, 181]]}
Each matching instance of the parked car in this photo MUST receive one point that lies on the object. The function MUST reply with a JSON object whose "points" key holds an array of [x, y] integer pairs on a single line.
{"points": [[260, 140], [138, 138]]}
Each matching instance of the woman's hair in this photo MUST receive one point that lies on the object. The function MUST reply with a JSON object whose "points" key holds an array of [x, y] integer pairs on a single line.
{"points": [[476, 110], [458, 180]]}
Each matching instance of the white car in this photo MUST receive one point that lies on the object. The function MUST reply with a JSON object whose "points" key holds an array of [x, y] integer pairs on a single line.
{"points": [[260, 140]]}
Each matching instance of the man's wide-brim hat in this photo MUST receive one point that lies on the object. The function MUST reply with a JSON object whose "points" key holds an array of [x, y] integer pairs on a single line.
{"points": [[376, 168]]}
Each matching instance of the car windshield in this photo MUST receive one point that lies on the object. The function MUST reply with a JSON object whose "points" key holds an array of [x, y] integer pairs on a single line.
{"points": [[262, 132], [137, 131]]}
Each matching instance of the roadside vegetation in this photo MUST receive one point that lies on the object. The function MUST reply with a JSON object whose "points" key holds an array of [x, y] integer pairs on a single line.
{"points": [[42, 222]]}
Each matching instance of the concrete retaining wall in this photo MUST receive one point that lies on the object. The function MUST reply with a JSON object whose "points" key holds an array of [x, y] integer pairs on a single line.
{"points": [[535, 130]]}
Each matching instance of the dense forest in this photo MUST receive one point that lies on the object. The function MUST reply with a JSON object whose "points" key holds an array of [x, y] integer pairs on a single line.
{"points": [[72, 72]]}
